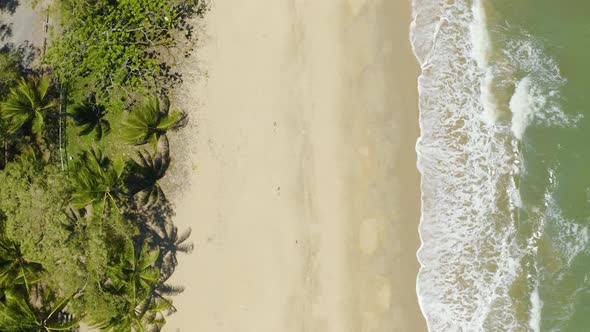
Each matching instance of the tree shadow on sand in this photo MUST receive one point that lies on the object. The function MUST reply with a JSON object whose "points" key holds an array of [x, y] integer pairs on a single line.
{"points": [[8, 6], [149, 208], [5, 31], [26, 51]]}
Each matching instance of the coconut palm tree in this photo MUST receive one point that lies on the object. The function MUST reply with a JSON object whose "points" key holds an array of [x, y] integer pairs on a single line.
{"points": [[96, 180], [147, 316], [18, 315], [27, 103], [151, 120], [135, 271], [19, 284], [91, 118], [15, 313], [134, 278], [15, 270]]}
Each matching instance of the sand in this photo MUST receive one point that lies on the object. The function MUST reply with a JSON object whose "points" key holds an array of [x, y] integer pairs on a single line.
{"points": [[33, 32], [301, 189], [19, 32]]}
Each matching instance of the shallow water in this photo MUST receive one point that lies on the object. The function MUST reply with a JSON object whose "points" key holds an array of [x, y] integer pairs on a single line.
{"points": [[505, 184]]}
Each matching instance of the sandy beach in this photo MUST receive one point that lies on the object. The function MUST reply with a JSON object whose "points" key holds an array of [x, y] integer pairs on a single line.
{"points": [[300, 186]]}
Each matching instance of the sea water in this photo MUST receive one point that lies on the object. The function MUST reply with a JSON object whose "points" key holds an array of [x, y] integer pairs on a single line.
{"points": [[504, 154]]}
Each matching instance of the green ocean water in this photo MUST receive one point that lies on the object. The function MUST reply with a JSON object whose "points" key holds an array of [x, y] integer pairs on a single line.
{"points": [[555, 181], [505, 161]]}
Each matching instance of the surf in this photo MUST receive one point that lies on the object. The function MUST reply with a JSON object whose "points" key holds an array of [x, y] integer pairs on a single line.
{"points": [[479, 97], [468, 257]]}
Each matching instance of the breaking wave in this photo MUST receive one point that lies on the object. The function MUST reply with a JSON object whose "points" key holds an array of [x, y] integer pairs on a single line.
{"points": [[477, 100]]}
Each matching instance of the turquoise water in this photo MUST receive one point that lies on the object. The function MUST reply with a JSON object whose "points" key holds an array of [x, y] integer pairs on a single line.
{"points": [[505, 161]]}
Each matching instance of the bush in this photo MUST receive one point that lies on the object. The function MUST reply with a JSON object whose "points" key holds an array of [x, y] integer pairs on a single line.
{"points": [[120, 45]]}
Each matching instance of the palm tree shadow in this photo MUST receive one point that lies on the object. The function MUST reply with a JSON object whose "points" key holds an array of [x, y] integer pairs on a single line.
{"points": [[146, 171], [153, 211], [91, 117], [5, 31], [26, 51], [9, 6], [171, 243], [157, 228]]}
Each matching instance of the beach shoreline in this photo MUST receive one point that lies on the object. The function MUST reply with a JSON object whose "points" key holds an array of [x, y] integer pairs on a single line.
{"points": [[300, 173]]}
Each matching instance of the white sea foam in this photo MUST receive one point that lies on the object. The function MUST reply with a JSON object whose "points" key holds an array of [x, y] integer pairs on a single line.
{"points": [[535, 314], [481, 51], [469, 256], [524, 104], [567, 237], [480, 36], [516, 200], [489, 101], [564, 240], [536, 98]]}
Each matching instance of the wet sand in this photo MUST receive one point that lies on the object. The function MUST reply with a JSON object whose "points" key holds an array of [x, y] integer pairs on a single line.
{"points": [[300, 184]]}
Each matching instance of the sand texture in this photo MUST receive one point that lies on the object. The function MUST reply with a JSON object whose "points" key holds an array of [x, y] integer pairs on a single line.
{"points": [[298, 170]]}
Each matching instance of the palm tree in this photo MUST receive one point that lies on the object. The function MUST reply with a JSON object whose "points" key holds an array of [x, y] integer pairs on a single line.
{"points": [[148, 170], [135, 272], [18, 315], [91, 117], [19, 279], [134, 278], [146, 123], [15, 313], [27, 103], [96, 180], [148, 315], [15, 270]]}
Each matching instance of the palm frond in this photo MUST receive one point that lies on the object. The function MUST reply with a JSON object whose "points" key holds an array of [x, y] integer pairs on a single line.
{"points": [[149, 121], [90, 116], [27, 103], [96, 180]]}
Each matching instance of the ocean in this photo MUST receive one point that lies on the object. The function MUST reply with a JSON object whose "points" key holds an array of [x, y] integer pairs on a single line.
{"points": [[504, 154]]}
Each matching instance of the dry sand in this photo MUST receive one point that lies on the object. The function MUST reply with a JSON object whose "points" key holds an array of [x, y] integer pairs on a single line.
{"points": [[303, 192]]}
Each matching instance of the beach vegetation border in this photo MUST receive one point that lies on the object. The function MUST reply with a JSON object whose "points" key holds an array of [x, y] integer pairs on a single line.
{"points": [[86, 231]]}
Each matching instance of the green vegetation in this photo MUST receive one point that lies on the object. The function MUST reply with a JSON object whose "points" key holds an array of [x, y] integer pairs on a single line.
{"points": [[147, 123], [116, 48], [27, 104], [91, 117], [86, 230]]}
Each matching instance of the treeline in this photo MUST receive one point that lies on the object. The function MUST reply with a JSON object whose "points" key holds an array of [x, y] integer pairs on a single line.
{"points": [[86, 231]]}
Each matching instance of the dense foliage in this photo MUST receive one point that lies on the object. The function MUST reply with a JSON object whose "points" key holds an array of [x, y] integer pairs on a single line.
{"points": [[116, 47], [86, 230]]}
